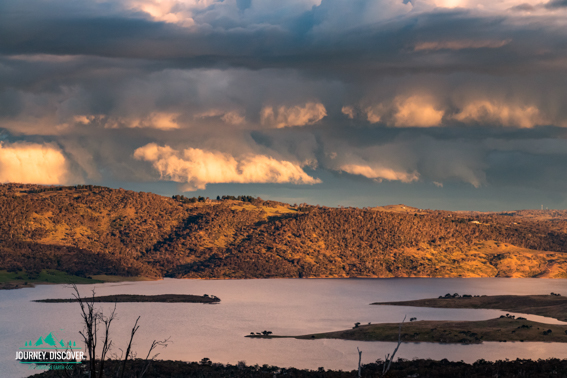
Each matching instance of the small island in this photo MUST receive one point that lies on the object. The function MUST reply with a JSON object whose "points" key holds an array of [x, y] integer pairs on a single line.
{"points": [[124, 298]]}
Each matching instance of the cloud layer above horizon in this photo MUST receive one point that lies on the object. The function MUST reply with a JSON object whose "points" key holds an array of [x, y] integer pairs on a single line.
{"points": [[302, 94]]}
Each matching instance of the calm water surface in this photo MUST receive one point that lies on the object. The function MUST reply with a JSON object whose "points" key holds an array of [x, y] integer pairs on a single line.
{"points": [[283, 306]]}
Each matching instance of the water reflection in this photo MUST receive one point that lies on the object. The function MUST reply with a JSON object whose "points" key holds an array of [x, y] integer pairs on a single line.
{"points": [[291, 306]]}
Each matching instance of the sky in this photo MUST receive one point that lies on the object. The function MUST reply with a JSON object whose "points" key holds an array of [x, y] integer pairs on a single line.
{"points": [[442, 104]]}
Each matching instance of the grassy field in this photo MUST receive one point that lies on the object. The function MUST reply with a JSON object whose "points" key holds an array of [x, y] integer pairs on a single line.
{"points": [[461, 332], [16, 280], [9, 280], [107, 278]]}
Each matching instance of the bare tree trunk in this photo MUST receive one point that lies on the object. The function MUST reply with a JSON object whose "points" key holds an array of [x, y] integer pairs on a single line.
{"points": [[107, 341], [132, 333], [154, 345], [359, 359], [91, 319], [388, 360]]}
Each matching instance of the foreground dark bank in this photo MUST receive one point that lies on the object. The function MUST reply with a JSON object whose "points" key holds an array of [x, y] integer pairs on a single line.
{"points": [[399, 369]]}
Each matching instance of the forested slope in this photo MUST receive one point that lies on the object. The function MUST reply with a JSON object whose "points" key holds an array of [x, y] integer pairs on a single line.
{"points": [[89, 230]]}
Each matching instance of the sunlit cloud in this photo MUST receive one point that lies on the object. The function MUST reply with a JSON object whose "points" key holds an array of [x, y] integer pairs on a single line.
{"points": [[401, 111], [416, 111], [171, 11], [155, 120], [32, 163], [378, 173], [231, 117], [375, 113], [484, 111], [349, 111], [283, 116], [196, 168], [483, 5]]}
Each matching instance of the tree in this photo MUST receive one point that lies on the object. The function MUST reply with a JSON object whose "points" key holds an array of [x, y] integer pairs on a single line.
{"points": [[388, 360], [93, 320]]}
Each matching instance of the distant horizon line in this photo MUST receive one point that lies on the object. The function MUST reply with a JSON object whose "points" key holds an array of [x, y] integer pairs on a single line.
{"points": [[79, 186]]}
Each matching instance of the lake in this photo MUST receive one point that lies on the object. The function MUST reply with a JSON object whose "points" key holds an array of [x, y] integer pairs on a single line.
{"points": [[283, 306]]}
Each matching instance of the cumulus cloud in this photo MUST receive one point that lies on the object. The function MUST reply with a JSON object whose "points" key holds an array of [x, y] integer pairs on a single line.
{"points": [[32, 163], [375, 113], [155, 120], [416, 111], [379, 173], [484, 111], [193, 13], [407, 158], [196, 167], [349, 111], [401, 111], [283, 116], [158, 120], [172, 11], [231, 117]]}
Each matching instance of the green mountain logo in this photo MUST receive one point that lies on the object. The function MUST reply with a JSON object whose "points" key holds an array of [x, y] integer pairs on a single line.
{"points": [[50, 342]]}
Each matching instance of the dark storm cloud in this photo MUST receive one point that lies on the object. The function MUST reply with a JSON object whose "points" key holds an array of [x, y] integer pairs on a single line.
{"points": [[556, 4], [372, 91], [315, 39]]}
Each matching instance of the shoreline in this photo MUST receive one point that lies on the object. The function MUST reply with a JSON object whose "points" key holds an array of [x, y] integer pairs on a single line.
{"points": [[20, 280], [97, 279]]}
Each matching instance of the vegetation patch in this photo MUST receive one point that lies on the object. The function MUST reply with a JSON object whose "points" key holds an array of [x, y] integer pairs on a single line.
{"points": [[15, 280]]}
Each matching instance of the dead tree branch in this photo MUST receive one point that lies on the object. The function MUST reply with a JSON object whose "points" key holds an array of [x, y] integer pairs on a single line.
{"points": [[129, 348], [388, 360], [359, 360]]}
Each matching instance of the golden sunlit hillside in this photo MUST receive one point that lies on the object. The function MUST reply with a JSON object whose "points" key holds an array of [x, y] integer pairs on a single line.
{"points": [[90, 231]]}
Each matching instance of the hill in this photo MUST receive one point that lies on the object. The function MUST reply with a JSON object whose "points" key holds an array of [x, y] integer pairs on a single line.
{"points": [[89, 230]]}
